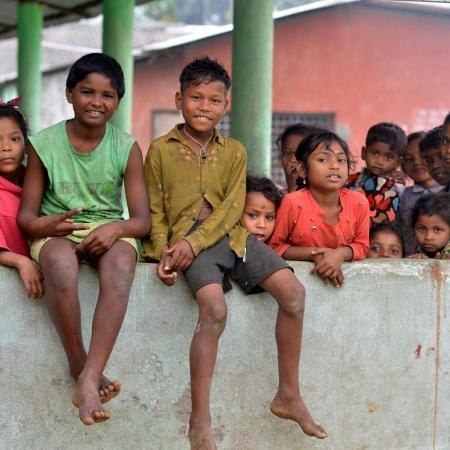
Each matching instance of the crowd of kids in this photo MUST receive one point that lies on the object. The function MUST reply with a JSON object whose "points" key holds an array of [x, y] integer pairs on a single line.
{"points": [[207, 219]]}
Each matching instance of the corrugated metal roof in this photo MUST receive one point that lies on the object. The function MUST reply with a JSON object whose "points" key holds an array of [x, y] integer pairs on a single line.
{"points": [[55, 12]]}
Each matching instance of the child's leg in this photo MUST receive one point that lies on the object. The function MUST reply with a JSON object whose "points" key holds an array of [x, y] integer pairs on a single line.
{"points": [[290, 295], [212, 318], [60, 268], [116, 272]]}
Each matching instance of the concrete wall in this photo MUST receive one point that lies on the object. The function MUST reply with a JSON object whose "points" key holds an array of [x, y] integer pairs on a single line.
{"points": [[374, 370]]}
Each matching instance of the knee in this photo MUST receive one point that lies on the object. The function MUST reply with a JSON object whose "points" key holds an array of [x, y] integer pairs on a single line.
{"points": [[59, 270], [123, 262], [213, 318], [294, 304]]}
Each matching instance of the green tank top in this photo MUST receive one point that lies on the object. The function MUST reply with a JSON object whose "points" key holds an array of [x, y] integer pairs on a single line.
{"points": [[92, 181]]}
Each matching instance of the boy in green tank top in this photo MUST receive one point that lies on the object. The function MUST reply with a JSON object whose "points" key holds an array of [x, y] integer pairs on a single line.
{"points": [[72, 207]]}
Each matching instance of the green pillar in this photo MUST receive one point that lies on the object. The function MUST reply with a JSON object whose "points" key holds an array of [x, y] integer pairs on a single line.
{"points": [[29, 27], [118, 43], [251, 107]]}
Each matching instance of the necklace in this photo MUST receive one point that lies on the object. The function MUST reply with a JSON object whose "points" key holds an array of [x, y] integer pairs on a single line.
{"points": [[203, 147]]}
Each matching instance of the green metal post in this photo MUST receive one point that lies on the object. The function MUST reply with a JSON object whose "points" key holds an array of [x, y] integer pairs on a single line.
{"points": [[29, 27], [251, 107], [118, 42]]}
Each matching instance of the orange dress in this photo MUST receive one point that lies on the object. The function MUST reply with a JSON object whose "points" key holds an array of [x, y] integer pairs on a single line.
{"points": [[300, 223]]}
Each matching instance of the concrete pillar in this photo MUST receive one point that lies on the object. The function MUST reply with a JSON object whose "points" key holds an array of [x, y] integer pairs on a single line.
{"points": [[29, 28], [251, 108], [118, 43]]}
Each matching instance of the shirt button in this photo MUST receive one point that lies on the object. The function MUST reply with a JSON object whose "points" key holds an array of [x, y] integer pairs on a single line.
{"points": [[194, 219]]}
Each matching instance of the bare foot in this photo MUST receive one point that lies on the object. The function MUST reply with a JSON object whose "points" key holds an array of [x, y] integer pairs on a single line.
{"points": [[109, 389], [295, 409], [201, 438], [86, 397]]}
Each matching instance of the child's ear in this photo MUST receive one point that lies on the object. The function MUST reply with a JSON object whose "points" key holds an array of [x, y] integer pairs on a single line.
{"points": [[69, 95], [363, 153], [178, 98], [301, 170]]}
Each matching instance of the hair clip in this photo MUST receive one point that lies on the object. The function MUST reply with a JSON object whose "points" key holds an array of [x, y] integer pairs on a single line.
{"points": [[13, 102]]}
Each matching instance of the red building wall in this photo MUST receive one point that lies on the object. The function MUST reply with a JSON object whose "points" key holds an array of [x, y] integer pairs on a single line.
{"points": [[365, 64]]}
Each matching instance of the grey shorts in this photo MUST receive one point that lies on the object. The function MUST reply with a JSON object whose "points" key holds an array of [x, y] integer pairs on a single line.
{"points": [[214, 264]]}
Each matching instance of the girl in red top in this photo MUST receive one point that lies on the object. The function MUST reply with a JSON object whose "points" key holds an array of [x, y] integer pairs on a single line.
{"points": [[324, 222], [13, 245]]}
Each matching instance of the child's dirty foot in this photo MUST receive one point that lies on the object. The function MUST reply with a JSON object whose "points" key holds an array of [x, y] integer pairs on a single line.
{"points": [[87, 399], [109, 389], [201, 438], [295, 410]]}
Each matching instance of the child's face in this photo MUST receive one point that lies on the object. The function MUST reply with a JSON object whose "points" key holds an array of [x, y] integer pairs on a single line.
{"points": [[259, 216], [94, 100], [446, 144], [414, 165], [380, 159], [385, 245], [437, 165], [202, 106], [288, 160], [12, 145], [327, 168], [432, 233]]}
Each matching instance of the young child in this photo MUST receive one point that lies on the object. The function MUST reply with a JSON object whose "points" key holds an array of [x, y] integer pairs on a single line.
{"points": [[72, 207], [287, 143], [385, 144], [416, 169], [432, 150], [445, 136], [13, 244], [385, 242], [324, 222], [196, 182], [431, 220], [260, 209]]}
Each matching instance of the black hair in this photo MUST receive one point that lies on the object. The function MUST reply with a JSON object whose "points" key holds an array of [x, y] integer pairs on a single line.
{"points": [[391, 228], [446, 120], [316, 138], [204, 70], [431, 140], [297, 129], [389, 133], [416, 135], [97, 63], [432, 205], [11, 112], [266, 187]]}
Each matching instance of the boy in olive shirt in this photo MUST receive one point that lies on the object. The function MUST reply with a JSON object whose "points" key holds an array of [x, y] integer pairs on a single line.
{"points": [[196, 180]]}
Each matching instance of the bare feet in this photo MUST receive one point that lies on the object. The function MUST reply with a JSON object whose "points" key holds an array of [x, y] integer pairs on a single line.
{"points": [[201, 437], [295, 409], [109, 389], [87, 399]]}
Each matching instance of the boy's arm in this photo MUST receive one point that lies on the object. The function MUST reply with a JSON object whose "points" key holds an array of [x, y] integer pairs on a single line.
{"points": [[153, 180], [28, 217], [228, 213], [138, 225]]}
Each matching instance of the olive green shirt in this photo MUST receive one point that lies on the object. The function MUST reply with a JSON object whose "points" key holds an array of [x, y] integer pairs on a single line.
{"points": [[178, 182]]}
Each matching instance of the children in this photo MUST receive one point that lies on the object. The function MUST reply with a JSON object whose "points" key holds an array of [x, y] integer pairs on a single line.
{"points": [[13, 245], [415, 168], [324, 222], [385, 144], [433, 152], [384, 242], [288, 142], [71, 206], [431, 220], [260, 209], [445, 136], [196, 183]]}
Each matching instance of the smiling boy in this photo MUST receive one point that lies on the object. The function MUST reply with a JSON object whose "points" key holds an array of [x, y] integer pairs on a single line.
{"points": [[196, 181]]}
